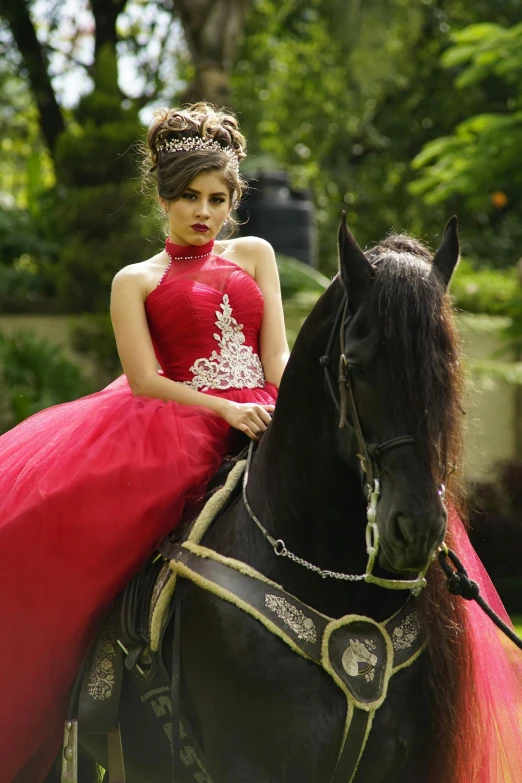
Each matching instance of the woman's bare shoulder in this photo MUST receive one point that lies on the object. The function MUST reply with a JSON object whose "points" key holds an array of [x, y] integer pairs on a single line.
{"points": [[245, 243], [247, 252], [144, 274]]}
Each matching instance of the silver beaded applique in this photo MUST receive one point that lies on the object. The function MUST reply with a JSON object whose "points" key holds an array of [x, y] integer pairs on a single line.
{"points": [[235, 366]]}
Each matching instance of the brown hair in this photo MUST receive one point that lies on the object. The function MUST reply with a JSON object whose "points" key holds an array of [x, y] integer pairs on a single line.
{"points": [[172, 172]]}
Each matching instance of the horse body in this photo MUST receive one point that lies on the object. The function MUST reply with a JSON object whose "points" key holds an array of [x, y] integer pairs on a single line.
{"points": [[285, 710], [265, 714]]}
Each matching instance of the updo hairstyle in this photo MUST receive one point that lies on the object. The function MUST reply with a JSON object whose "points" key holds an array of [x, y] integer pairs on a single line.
{"points": [[172, 172]]}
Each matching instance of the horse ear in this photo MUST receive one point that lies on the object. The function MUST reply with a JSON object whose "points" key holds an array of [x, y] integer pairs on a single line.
{"points": [[355, 269], [447, 256]]}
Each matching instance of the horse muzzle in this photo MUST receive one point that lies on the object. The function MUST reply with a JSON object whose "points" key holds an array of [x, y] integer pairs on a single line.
{"points": [[408, 542]]}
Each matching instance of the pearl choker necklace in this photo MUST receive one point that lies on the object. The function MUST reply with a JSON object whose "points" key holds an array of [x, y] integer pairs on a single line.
{"points": [[187, 258], [177, 252]]}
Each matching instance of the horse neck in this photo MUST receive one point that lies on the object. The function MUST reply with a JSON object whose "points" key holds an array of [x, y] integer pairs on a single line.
{"points": [[304, 493]]}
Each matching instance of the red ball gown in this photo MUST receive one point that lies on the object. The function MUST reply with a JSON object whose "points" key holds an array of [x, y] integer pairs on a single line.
{"points": [[89, 488]]}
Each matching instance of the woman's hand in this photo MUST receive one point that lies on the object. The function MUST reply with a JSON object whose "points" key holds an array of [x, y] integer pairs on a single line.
{"points": [[248, 417]]}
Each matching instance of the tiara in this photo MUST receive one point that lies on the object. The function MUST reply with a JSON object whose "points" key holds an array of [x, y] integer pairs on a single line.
{"points": [[197, 143]]}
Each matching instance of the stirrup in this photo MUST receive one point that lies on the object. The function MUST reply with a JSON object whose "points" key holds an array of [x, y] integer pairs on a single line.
{"points": [[116, 765], [69, 772]]}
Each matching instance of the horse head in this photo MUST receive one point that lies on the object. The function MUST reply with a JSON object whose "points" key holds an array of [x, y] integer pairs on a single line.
{"points": [[399, 351]]}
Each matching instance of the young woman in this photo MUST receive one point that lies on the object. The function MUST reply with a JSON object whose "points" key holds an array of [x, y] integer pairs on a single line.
{"points": [[89, 488]]}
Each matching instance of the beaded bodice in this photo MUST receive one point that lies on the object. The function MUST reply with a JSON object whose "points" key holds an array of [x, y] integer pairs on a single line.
{"points": [[204, 318]]}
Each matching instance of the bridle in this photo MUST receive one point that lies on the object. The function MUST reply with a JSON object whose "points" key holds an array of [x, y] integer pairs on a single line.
{"points": [[369, 456], [368, 453]]}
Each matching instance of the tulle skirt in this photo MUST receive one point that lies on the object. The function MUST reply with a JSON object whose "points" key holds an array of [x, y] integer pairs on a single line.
{"points": [[87, 491], [496, 716]]}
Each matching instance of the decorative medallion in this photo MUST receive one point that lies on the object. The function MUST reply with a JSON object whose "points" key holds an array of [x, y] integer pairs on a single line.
{"points": [[405, 634], [102, 678], [235, 366], [359, 659], [294, 618]]}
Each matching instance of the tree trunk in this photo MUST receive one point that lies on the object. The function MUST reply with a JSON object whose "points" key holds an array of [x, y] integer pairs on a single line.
{"points": [[105, 69], [212, 30], [16, 13]]}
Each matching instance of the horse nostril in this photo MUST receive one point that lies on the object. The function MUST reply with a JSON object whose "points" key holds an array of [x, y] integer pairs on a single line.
{"points": [[399, 530]]}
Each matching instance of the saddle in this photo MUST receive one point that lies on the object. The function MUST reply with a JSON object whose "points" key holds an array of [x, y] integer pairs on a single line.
{"points": [[126, 642]]}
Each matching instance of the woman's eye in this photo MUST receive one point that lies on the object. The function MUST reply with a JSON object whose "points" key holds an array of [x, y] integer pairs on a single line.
{"points": [[218, 200], [188, 195]]}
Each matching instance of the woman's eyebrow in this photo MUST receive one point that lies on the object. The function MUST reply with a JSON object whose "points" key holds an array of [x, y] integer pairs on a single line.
{"points": [[193, 190]]}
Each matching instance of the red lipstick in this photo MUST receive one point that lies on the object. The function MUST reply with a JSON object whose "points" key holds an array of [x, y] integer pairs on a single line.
{"points": [[200, 227]]}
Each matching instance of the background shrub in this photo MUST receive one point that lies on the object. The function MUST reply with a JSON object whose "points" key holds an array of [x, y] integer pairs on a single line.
{"points": [[495, 515], [35, 374]]}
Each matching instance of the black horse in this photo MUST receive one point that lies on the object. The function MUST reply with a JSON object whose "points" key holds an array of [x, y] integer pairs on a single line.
{"points": [[263, 713]]}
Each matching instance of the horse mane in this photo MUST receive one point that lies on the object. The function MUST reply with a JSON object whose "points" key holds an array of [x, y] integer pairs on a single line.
{"points": [[417, 325], [414, 314]]}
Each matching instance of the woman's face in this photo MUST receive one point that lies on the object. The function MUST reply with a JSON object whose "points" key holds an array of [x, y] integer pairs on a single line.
{"points": [[198, 214]]}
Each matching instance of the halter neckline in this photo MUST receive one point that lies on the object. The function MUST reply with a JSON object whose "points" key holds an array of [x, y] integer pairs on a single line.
{"points": [[187, 252]]}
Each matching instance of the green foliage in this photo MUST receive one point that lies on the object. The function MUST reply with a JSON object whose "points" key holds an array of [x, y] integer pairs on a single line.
{"points": [[309, 101], [35, 374], [25, 288], [101, 230], [96, 210], [25, 282], [25, 164], [488, 291], [18, 234], [93, 337], [297, 277], [301, 286], [479, 160]]}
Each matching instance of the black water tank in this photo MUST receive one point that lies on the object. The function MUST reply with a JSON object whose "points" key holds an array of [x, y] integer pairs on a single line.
{"points": [[280, 214]]}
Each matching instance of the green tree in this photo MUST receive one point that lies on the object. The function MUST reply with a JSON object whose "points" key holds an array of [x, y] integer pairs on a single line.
{"points": [[310, 84], [478, 162], [347, 103]]}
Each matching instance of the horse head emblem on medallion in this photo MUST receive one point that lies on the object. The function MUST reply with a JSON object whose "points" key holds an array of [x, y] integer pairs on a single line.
{"points": [[360, 660]]}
